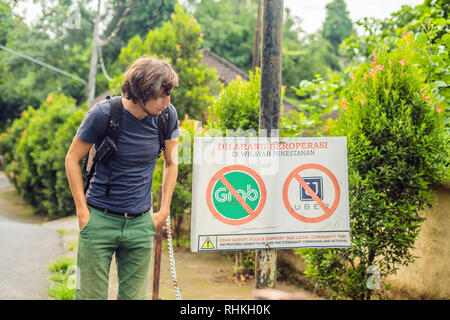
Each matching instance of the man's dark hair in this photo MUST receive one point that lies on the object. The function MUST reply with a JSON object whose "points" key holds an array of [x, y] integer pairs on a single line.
{"points": [[145, 78]]}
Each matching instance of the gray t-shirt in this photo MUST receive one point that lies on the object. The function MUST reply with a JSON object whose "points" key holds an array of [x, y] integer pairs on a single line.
{"points": [[132, 164]]}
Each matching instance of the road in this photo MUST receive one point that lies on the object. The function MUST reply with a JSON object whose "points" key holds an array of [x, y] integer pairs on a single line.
{"points": [[25, 250]]}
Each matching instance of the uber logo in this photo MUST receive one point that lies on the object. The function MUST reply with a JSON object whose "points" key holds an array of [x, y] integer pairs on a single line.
{"points": [[315, 183]]}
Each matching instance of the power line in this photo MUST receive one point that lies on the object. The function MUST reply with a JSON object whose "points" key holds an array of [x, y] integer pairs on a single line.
{"points": [[44, 64]]}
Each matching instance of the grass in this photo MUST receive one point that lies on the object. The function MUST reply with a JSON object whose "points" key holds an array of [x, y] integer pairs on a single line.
{"points": [[63, 279], [72, 245]]}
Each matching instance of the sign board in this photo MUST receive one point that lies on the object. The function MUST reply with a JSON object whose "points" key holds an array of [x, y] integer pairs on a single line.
{"points": [[259, 193]]}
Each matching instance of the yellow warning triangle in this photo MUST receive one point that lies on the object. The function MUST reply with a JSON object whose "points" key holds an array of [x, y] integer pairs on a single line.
{"points": [[207, 244]]}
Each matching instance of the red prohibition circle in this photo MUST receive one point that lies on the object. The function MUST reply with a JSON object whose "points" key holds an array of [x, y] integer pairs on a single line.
{"points": [[220, 176], [295, 175]]}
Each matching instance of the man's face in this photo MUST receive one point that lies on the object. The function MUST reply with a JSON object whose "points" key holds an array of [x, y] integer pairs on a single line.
{"points": [[155, 106]]}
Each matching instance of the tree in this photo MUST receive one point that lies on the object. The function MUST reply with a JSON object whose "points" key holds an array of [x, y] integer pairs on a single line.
{"points": [[302, 61], [144, 16], [228, 28], [179, 40], [337, 25], [129, 18], [62, 37], [25, 83]]}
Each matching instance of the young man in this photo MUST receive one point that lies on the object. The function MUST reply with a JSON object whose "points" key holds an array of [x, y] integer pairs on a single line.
{"points": [[123, 223]]}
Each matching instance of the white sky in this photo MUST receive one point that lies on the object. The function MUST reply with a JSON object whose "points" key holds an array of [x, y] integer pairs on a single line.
{"points": [[312, 12]]}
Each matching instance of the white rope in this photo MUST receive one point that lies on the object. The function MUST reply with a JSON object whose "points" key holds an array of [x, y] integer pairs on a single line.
{"points": [[172, 259]]}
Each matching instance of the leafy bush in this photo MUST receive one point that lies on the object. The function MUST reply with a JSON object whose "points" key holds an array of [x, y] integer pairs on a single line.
{"points": [[35, 162], [64, 205], [319, 101], [237, 106], [10, 138], [397, 148]]}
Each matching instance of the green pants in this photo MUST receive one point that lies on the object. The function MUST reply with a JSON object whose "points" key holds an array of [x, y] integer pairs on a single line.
{"points": [[132, 242]]}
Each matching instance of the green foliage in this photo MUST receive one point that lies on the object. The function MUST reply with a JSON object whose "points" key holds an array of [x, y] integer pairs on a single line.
{"points": [[144, 16], [337, 25], [35, 161], [10, 138], [6, 21], [397, 148], [319, 102], [428, 24], [24, 83], [63, 280], [63, 139], [303, 60], [179, 40], [229, 28], [237, 106], [62, 265]]}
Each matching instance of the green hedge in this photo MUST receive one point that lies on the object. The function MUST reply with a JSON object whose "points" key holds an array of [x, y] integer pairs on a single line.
{"points": [[35, 157]]}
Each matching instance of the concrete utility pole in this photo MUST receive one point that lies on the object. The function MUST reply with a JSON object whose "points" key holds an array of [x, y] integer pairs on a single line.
{"points": [[269, 115], [94, 58], [97, 45]]}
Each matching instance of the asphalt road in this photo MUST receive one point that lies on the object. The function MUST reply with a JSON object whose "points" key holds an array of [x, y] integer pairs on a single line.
{"points": [[25, 250]]}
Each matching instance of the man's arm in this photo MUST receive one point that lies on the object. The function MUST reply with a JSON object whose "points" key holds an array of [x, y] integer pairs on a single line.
{"points": [[76, 153], [170, 173]]}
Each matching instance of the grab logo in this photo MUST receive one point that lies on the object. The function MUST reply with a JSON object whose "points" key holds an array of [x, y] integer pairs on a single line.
{"points": [[222, 194], [236, 195]]}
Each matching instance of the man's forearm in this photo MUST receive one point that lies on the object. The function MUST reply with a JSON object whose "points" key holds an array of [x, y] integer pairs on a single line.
{"points": [[170, 173], [75, 179]]}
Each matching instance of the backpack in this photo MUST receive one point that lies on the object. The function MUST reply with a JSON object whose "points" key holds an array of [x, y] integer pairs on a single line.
{"points": [[103, 149]]}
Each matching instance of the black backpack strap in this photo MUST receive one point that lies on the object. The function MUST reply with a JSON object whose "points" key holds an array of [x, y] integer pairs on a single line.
{"points": [[115, 118], [163, 128], [113, 131], [88, 174]]}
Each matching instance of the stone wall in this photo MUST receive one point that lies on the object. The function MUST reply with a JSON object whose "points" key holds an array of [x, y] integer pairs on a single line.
{"points": [[429, 276]]}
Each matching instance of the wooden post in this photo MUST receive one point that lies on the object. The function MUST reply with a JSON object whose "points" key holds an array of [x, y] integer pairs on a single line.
{"points": [[269, 115], [157, 258], [257, 42]]}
